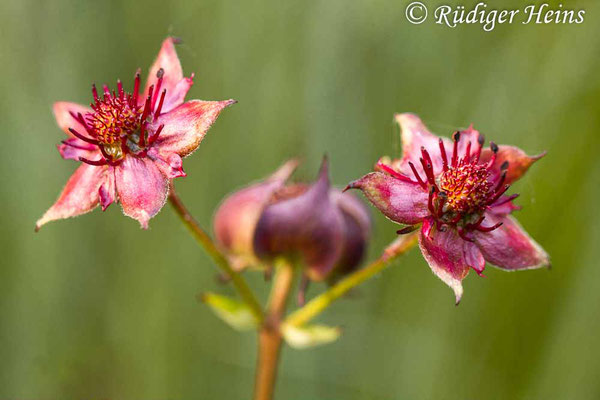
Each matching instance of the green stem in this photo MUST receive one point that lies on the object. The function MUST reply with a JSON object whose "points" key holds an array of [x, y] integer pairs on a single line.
{"points": [[269, 336], [207, 243], [322, 301]]}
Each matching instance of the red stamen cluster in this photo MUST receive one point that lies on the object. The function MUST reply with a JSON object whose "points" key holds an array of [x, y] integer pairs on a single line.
{"points": [[118, 125], [463, 190]]}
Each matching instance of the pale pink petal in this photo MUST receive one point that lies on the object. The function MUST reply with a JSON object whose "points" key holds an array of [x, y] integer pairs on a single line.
{"points": [[170, 165], [509, 247], [445, 253], [107, 192], [176, 96], [236, 218], [518, 161], [79, 196], [414, 136], [186, 126], [400, 201], [73, 148], [141, 187], [64, 119], [172, 75]]}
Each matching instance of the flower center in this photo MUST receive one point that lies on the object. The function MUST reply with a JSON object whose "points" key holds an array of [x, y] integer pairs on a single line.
{"points": [[119, 124], [466, 188]]}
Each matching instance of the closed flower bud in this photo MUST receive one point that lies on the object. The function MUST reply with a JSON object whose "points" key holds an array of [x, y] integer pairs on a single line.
{"points": [[313, 225]]}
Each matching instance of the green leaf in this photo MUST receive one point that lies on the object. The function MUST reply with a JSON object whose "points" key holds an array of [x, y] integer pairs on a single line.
{"points": [[302, 337], [234, 313]]}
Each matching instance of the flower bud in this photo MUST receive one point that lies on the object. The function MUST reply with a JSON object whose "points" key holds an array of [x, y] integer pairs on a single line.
{"points": [[319, 228]]}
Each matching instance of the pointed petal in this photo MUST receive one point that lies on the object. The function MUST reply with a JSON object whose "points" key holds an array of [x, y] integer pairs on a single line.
{"points": [[308, 224], [173, 74], [509, 246], [445, 254], [186, 126], [79, 196], [518, 161], [236, 218], [400, 201], [73, 148], [141, 187], [414, 136], [62, 112]]}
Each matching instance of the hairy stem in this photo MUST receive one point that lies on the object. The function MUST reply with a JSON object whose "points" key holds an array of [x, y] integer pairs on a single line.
{"points": [[269, 336], [207, 243], [322, 301]]}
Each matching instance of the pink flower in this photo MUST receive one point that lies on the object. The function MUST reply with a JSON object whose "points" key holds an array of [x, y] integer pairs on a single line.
{"points": [[455, 191], [131, 144], [319, 227]]}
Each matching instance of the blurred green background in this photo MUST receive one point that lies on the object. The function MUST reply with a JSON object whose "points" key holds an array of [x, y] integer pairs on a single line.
{"points": [[94, 307]]}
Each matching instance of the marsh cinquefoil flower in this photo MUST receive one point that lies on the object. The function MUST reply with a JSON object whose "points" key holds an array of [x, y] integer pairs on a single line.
{"points": [[131, 144], [319, 227], [454, 191]]}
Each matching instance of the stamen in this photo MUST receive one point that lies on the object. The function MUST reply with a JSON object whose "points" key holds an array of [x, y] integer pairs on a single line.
{"points": [[159, 75], [444, 156], [480, 142], [467, 158], [153, 138], [387, 169], [120, 89], [504, 165], [136, 88], [85, 139], [414, 170], [506, 200], [494, 148], [463, 235], [67, 143], [430, 200], [489, 228], [456, 138], [97, 163], [160, 104], [497, 195], [95, 93], [407, 229]]}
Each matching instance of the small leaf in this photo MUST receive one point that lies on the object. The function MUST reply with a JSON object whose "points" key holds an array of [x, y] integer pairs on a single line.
{"points": [[302, 337], [234, 313]]}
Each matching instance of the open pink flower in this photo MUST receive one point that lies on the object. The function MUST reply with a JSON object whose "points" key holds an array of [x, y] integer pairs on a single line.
{"points": [[131, 144], [455, 190]]}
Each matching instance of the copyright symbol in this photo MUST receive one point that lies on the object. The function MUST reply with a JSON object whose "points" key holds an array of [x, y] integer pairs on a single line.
{"points": [[416, 12]]}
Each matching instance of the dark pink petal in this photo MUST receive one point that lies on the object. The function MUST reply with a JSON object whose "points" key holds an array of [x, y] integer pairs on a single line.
{"points": [[170, 165], [73, 148], [79, 196], [414, 136], [236, 218], [509, 246], [141, 187], [185, 126], [173, 74], [449, 257], [400, 201], [518, 161], [62, 113], [308, 225]]}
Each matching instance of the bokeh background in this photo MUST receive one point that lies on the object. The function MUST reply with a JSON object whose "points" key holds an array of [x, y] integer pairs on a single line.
{"points": [[94, 307]]}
